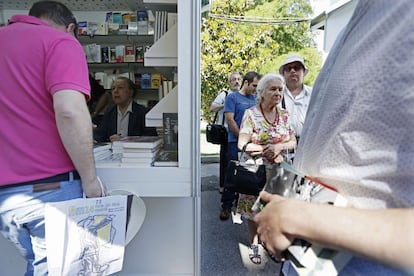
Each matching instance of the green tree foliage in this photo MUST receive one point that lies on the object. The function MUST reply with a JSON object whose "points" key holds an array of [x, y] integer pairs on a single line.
{"points": [[229, 46]]}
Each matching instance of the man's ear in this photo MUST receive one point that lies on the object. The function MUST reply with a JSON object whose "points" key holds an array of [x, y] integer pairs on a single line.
{"points": [[71, 28]]}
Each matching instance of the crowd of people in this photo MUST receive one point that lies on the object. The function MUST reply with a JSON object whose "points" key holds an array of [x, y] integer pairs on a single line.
{"points": [[352, 131]]}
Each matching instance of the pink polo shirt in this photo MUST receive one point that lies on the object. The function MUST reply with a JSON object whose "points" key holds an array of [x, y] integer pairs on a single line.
{"points": [[36, 61]]}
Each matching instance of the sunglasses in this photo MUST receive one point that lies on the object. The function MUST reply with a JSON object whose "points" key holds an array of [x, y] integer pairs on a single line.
{"points": [[295, 67]]}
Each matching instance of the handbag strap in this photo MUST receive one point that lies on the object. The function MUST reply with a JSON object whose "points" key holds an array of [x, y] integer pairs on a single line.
{"points": [[222, 119], [243, 151], [215, 115], [215, 118]]}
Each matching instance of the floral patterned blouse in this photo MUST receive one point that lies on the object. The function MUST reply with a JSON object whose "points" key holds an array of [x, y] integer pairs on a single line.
{"points": [[262, 133]]}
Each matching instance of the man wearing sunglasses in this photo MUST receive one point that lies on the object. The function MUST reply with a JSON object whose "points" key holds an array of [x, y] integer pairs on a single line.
{"points": [[296, 93]]}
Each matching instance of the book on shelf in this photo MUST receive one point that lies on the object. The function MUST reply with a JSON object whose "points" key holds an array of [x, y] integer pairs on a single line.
{"points": [[145, 80], [171, 19], [166, 159], [137, 80], [113, 28], [142, 17], [112, 54], [151, 22], [139, 53], [120, 53], [155, 80], [170, 131], [93, 53], [123, 29], [117, 17], [129, 53], [105, 54], [126, 18], [132, 28]]}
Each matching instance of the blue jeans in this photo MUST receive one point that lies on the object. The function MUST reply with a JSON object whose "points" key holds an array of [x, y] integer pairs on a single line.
{"points": [[22, 219], [228, 197]]}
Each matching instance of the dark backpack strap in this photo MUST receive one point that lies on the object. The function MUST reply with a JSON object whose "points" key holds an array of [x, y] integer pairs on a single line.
{"points": [[283, 103]]}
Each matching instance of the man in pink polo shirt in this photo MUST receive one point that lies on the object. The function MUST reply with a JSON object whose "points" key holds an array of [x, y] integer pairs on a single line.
{"points": [[46, 130]]}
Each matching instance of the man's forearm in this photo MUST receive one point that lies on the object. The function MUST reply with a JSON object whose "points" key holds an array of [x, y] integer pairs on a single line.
{"points": [[216, 107], [75, 129], [381, 235], [233, 127]]}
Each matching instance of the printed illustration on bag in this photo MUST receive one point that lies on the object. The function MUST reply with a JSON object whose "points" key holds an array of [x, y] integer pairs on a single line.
{"points": [[86, 236], [100, 233]]}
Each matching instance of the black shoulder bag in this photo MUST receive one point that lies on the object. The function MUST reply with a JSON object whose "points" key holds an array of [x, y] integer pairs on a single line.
{"points": [[216, 133], [245, 177]]}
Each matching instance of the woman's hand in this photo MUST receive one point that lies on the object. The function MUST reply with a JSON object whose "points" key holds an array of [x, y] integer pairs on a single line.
{"points": [[271, 152], [279, 158]]}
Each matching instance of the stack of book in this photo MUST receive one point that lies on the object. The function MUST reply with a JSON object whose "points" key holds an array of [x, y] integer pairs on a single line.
{"points": [[138, 150], [102, 151]]}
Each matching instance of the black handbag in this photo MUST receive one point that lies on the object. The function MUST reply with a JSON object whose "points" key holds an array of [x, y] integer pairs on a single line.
{"points": [[245, 177], [216, 134]]}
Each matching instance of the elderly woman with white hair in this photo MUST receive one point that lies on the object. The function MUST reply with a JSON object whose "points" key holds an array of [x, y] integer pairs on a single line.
{"points": [[267, 131]]}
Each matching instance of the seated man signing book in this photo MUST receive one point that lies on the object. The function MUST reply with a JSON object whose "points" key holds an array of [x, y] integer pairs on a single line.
{"points": [[125, 118]]}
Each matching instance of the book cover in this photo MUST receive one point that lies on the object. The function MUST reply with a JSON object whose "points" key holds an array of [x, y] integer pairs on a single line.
{"points": [[120, 53], [123, 29], [82, 27], [139, 53], [93, 53], [129, 53], [102, 28], [171, 19], [105, 54], [155, 80], [117, 17], [170, 129], [126, 18], [108, 17], [142, 18], [140, 142], [145, 80], [112, 54], [113, 28], [132, 28], [137, 80], [166, 159]]}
